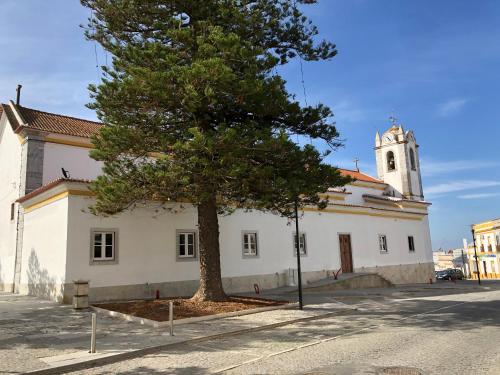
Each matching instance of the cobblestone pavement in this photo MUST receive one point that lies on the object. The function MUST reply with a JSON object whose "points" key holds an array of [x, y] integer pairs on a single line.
{"points": [[438, 330], [36, 334]]}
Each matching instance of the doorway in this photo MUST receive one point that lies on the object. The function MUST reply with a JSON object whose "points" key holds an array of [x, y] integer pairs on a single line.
{"points": [[345, 253]]}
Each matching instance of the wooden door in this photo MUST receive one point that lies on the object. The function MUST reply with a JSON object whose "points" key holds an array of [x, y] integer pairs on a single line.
{"points": [[345, 253]]}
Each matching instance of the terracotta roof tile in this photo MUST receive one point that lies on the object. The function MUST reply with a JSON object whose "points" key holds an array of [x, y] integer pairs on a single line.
{"points": [[54, 123], [360, 176]]}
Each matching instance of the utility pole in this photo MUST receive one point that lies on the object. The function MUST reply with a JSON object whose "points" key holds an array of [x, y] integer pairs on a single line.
{"points": [[297, 245], [475, 256]]}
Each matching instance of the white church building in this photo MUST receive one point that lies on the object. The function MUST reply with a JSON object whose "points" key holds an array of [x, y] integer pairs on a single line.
{"points": [[48, 238]]}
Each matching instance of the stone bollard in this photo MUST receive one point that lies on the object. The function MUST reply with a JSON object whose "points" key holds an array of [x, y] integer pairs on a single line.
{"points": [[80, 294]]}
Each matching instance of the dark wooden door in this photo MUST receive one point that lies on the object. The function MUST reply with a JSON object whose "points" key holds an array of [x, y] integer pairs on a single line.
{"points": [[345, 253]]}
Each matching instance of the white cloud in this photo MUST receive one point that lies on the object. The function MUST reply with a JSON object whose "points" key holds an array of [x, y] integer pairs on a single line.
{"points": [[432, 167], [451, 187], [346, 112], [479, 196], [451, 107]]}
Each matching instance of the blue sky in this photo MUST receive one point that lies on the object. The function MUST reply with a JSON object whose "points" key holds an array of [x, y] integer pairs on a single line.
{"points": [[433, 64]]}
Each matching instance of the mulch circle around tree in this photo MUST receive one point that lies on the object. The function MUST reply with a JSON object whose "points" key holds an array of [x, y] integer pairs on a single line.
{"points": [[186, 308]]}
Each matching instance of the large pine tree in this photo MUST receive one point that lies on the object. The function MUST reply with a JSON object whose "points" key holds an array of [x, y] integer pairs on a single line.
{"points": [[194, 111]]}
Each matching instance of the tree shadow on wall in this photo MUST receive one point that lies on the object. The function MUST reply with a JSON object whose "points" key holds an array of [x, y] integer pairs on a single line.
{"points": [[40, 283]]}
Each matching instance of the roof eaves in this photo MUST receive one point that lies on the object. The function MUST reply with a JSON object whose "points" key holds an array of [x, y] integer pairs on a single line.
{"points": [[394, 199], [49, 186], [19, 117]]}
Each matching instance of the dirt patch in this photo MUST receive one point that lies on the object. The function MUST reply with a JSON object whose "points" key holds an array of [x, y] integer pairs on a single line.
{"points": [[185, 308]]}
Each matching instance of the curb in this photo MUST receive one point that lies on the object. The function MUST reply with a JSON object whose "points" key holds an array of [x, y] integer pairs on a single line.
{"points": [[197, 319], [97, 362]]}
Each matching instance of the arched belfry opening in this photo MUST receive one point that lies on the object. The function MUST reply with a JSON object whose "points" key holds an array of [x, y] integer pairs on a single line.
{"points": [[412, 160], [391, 161]]}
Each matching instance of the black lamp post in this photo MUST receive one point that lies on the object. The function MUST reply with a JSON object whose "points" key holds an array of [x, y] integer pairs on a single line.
{"points": [[475, 256], [297, 246]]}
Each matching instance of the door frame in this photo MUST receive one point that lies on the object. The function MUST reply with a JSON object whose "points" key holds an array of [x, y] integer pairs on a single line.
{"points": [[339, 254]]}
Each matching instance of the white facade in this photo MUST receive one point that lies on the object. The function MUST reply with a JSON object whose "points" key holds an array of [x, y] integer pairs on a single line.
{"points": [[398, 162], [10, 170], [59, 235]]}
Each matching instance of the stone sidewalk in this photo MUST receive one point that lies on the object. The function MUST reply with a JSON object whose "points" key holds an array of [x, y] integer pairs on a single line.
{"points": [[36, 334]]}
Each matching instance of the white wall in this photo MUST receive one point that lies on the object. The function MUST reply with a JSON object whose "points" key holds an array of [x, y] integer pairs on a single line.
{"points": [[74, 159], [147, 244], [10, 168], [44, 250], [357, 194]]}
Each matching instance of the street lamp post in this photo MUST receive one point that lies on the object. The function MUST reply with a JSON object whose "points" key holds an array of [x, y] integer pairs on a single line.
{"points": [[475, 256], [297, 246], [463, 264]]}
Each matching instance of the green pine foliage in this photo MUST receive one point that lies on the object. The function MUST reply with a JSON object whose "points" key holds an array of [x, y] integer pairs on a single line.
{"points": [[193, 108]]}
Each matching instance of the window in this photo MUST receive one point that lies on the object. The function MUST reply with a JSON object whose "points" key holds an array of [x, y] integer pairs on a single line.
{"points": [[411, 243], [103, 245], [412, 160], [186, 244], [302, 244], [12, 211], [391, 161], [250, 244], [382, 243]]}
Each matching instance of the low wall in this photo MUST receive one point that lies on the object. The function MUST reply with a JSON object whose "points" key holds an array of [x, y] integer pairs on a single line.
{"points": [[397, 274], [403, 273], [53, 291], [6, 287], [188, 288]]}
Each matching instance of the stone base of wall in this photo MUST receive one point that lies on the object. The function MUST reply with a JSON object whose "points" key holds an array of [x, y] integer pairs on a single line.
{"points": [[397, 274], [403, 273], [51, 291], [6, 287], [187, 288]]}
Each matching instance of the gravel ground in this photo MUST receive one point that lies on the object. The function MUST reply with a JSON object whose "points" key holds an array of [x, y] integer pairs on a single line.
{"points": [[433, 334], [158, 310]]}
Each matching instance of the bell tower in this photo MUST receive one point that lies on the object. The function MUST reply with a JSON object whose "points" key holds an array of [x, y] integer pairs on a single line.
{"points": [[398, 163]]}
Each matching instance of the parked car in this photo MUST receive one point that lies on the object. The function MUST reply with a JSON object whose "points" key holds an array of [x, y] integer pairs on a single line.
{"points": [[450, 274]]}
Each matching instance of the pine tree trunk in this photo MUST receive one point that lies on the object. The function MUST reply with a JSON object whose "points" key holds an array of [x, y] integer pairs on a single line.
{"points": [[210, 273]]}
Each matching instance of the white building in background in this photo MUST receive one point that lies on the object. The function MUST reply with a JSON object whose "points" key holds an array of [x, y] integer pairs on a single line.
{"points": [[48, 238]]}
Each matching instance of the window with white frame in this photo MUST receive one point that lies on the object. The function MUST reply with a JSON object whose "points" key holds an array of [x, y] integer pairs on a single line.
{"points": [[382, 243], [103, 245], [302, 244], [186, 244], [250, 244], [411, 244]]}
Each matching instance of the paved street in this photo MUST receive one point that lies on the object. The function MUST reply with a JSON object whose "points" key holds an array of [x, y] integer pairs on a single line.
{"points": [[37, 334], [422, 330]]}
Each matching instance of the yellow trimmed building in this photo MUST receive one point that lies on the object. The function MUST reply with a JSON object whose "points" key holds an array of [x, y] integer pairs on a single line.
{"points": [[487, 236]]}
